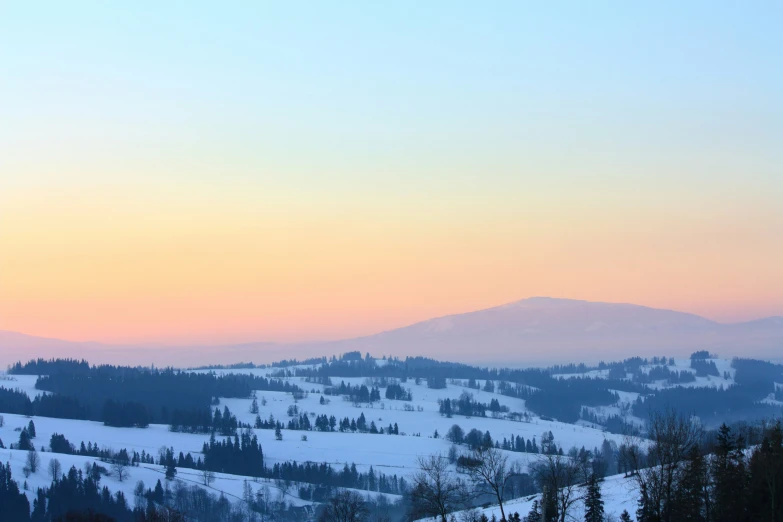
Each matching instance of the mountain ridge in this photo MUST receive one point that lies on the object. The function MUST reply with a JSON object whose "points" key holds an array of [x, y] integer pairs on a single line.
{"points": [[535, 329]]}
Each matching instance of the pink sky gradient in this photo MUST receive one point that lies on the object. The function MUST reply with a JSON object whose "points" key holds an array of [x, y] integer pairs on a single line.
{"points": [[268, 173]]}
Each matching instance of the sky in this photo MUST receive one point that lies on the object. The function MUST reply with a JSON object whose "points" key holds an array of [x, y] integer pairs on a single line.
{"points": [[188, 172]]}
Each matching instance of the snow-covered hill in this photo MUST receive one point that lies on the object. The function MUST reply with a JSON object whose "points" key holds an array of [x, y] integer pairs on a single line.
{"points": [[418, 420]]}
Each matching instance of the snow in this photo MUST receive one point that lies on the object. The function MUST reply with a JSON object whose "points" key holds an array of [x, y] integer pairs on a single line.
{"points": [[25, 383], [723, 366], [417, 421], [618, 493], [396, 453], [423, 422], [229, 485]]}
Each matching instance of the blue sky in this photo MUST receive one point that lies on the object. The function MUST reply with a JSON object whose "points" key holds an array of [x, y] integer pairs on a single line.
{"points": [[600, 150]]}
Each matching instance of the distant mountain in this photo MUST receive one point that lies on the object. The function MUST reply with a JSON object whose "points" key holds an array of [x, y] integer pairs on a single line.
{"points": [[544, 329], [531, 331]]}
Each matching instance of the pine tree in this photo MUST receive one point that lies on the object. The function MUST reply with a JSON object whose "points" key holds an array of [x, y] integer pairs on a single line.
{"points": [[643, 510], [171, 470], [24, 440], [13, 503], [278, 433], [689, 498], [721, 473], [625, 517], [766, 477], [549, 506], [535, 513], [31, 429], [594, 504]]}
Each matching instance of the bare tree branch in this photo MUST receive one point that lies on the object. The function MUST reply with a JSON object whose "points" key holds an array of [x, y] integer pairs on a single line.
{"points": [[490, 469], [435, 491]]}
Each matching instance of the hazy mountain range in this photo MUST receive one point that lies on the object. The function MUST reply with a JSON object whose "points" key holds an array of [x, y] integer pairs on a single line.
{"points": [[530, 331]]}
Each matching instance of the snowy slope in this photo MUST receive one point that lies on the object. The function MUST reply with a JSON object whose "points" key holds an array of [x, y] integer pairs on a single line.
{"points": [[618, 493]]}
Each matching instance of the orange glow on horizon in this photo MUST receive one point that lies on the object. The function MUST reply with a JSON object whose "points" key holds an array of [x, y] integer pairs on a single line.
{"points": [[201, 275]]}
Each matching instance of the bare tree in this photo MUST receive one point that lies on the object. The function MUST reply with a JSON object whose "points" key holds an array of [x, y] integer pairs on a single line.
{"points": [[120, 469], [33, 461], [435, 491], [207, 476], [630, 458], [55, 469], [673, 437], [489, 467], [345, 506], [563, 477]]}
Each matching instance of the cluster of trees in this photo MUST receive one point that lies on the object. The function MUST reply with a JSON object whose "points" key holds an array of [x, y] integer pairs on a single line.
{"points": [[352, 364], [26, 436], [330, 423], [71, 496], [711, 405], [475, 440], [125, 414], [13, 503], [59, 444], [611, 423], [267, 424], [396, 392], [679, 476], [124, 396], [704, 367], [42, 366], [349, 477], [55, 406], [436, 382], [663, 373], [563, 398], [302, 422], [634, 364], [467, 406], [77, 496], [357, 425], [751, 371], [680, 481], [205, 421], [241, 456], [358, 393]]}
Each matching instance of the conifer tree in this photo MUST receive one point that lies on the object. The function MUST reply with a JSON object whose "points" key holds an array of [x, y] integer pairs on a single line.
{"points": [[24, 440], [729, 475], [766, 477], [643, 510], [535, 513], [594, 504], [171, 470], [689, 500]]}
